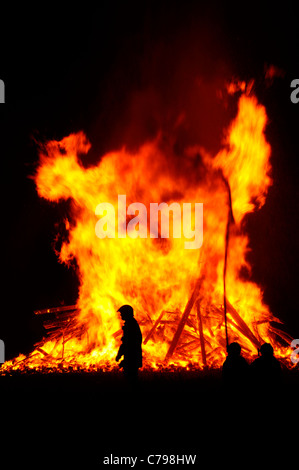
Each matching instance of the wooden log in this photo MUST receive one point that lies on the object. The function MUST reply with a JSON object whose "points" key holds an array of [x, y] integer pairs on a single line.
{"points": [[230, 220], [183, 320], [44, 352], [245, 329], [168, 322], [153, 329], [117, 333], [282, 335], [186, 334], [189, 346], [63, 341], [191, 324], [63, 308], [201, 335], [54, 320]]}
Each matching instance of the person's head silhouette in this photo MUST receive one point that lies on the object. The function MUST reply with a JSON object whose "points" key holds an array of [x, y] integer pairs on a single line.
{"points": [[126, 312], [234, 349], [266, 350]]}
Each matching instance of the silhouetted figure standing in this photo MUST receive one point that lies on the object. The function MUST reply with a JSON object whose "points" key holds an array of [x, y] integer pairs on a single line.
{"points": [[235, 367], [266, 368], [130, 347]]}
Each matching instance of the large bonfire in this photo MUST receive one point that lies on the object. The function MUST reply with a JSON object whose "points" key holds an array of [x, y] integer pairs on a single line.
{"points": [[188, 302]]}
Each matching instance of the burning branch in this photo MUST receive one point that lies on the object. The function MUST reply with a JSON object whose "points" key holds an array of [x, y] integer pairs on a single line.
{"points": [[245, 330], [184, 319], [230, 220], [201, 335], [153, 329]]}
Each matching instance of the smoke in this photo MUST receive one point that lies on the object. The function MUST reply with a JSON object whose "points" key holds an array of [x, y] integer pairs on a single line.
{"points": [[170, 82]]}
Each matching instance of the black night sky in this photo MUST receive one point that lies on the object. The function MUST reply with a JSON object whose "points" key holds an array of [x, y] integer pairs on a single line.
{"points": [[121, 71]]}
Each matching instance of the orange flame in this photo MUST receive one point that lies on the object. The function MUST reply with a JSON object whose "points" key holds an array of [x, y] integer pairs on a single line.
{"points": [[158, 276]]}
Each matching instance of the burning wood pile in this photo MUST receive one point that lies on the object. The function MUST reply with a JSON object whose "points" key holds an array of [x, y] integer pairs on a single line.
{"points": [[188, 302]]}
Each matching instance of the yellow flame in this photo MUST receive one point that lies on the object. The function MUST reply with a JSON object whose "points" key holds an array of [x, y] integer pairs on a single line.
{"points": [[157, 276]]}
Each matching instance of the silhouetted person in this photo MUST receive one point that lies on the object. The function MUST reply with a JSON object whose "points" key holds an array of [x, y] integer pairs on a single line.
{"points": [[131, 342], [235, 367], [266, 368]]}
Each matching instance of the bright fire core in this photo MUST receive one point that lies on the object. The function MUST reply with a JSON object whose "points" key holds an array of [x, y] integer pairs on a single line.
{"points": [[177, 293]]}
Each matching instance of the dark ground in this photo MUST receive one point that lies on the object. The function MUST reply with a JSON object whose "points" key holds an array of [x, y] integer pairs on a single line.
{"points": [[75, 420]]}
